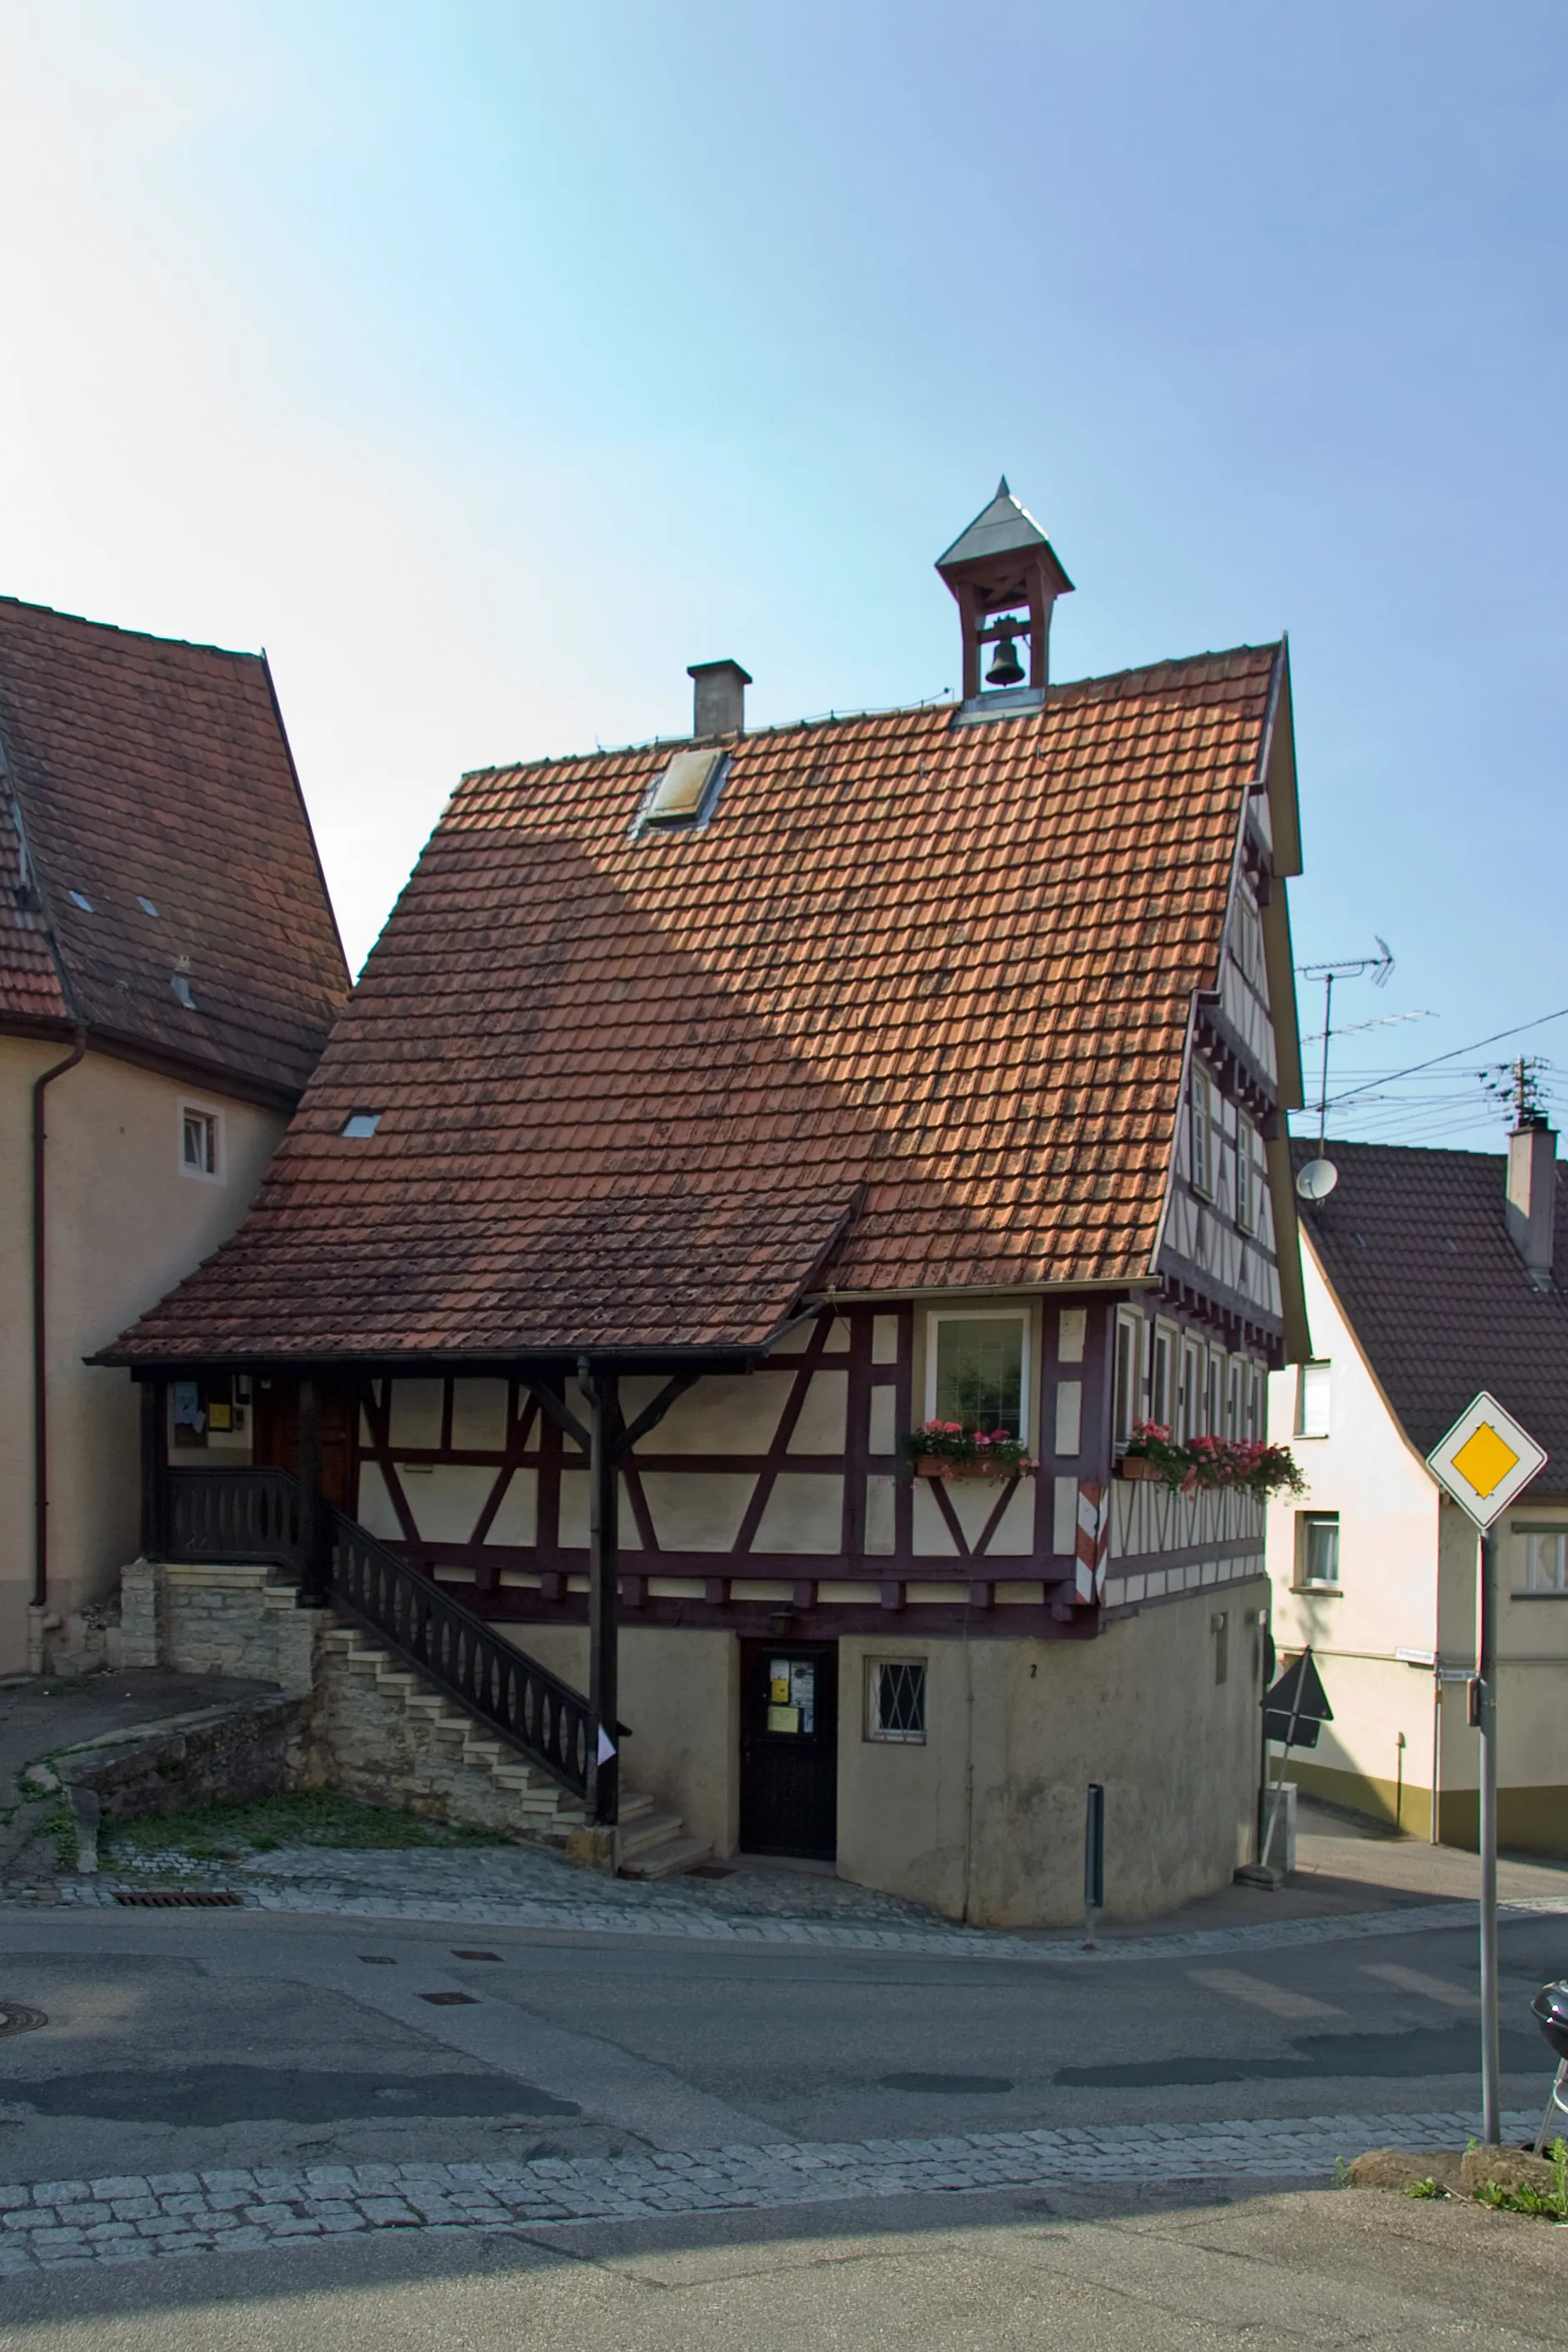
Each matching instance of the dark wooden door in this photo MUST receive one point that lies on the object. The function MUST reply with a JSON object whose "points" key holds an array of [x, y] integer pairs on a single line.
{"points": [[789, 1748], [277, 1438]]}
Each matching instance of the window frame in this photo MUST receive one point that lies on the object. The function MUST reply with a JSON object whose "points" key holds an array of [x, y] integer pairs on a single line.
{"points": [[1324, 1364], [1201, 1123], [936, 1315], [1248, 1178], [213, 1124], [1164, 1339], [1554, 1533], [1126, 1397], [1189, 1390], [874, 1730], [1305, 1522], [1217, 1380]]}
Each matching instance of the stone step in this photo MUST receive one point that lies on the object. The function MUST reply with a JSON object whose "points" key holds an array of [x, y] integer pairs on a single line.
{"points": [[635, 1806], [664, 1860]]}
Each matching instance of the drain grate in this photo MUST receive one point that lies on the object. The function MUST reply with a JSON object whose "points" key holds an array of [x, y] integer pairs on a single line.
{"points": [[458, 1955], [15, 2016], [449, 2000], [178, 1899]]}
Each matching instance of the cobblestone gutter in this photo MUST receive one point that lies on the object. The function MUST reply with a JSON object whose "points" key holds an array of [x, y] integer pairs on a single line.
{"points": [[134, 2218]]}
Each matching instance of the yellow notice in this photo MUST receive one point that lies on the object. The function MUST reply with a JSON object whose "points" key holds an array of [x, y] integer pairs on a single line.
{"points": [[778, 1689], [783, 1718], [1485, 1459]]}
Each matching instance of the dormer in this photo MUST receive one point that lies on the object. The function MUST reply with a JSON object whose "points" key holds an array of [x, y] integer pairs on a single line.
{"points": [[1005, 578]]}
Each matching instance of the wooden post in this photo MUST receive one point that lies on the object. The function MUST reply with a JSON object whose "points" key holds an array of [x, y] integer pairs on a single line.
{"points": [[155, 1468], [604, 1590], [312, 1531]]}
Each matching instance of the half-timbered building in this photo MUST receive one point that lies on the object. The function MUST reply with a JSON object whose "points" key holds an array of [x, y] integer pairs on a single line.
{"points": [[712, 1114]]}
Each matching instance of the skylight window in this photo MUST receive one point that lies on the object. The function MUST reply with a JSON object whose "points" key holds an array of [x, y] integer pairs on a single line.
{"points": [[182, 988], [79, 899], [146, 905], [361, 1123], [684, 795]]}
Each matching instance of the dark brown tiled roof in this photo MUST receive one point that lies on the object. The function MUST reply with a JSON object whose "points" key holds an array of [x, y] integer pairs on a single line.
{"points": [[629, 1088], [1414, 1247], [148, 769]]}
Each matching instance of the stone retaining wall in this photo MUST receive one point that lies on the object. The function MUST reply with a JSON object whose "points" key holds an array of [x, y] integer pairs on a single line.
{"points": [[202, 1618]]}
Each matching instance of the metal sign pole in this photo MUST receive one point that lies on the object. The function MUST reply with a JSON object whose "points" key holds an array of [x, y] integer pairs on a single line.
{"points": [[1491, 2127]]}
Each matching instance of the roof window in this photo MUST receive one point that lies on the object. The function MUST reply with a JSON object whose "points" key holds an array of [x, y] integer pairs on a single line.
{"points": [[683, 796], [361, 1123], [146, 905], [182, 988], [79, 899]]}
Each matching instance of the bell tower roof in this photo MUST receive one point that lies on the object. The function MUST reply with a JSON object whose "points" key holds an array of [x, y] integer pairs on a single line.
{"points": [[1004, 528]]}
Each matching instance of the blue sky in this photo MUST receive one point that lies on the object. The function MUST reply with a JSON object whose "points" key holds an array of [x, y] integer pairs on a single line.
{"points": [[488, 363]]}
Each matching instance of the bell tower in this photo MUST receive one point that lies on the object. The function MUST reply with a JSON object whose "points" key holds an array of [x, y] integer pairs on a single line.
{"points": [[1005, 576]]}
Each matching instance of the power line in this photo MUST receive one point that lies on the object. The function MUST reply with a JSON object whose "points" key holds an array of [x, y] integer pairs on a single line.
{"points": [[1495, 1039]]}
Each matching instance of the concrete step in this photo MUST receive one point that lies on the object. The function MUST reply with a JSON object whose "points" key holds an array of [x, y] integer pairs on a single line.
{"points": [[665, 1860], [650, 1829], [635, 1806]]}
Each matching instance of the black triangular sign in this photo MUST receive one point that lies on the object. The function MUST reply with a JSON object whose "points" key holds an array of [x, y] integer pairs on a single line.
{"points": [[1299, 1693]]}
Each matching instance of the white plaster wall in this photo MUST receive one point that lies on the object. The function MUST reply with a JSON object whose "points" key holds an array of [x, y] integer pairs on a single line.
{"points": [[125, 1222]]}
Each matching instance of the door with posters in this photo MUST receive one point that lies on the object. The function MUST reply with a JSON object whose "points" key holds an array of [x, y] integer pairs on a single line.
{"points": [[789, 1748]]}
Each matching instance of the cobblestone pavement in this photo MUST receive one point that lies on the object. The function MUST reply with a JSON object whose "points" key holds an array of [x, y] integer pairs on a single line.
{"points": [[132, 2218], [430, 1886]]}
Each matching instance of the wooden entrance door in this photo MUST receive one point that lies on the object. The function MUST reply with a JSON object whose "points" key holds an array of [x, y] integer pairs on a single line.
{"points": [[277, 1439], [789, 1748]]}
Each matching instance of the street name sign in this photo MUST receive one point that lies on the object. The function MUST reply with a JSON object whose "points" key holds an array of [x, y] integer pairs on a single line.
{"points": [[1485, 1461]]}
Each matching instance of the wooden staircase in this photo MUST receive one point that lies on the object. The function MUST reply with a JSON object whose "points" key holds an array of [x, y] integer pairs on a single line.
{"points": [[648, 1843]]}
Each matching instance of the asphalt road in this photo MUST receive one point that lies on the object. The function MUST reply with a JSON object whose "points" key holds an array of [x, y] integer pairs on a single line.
{"points": [[188, 2041]]}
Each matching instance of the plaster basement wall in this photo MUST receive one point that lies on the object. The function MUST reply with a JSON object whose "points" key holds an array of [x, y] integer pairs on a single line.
{"points": [[1139, 1709]]}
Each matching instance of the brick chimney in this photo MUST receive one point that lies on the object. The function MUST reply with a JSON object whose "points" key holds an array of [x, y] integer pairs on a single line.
{"points": [[1532, 1206], [720, 699]]}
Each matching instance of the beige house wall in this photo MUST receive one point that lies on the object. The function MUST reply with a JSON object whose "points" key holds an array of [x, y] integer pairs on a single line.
{"points": [[984, 1820], [1408, 1563], [125, 1222]]}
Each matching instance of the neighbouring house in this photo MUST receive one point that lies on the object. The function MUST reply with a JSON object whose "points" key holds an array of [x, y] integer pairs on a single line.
{"points": [[168, 969], [710, 1115], [1430, 1276]]}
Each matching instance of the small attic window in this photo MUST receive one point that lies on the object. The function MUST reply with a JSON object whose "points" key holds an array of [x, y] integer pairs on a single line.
{"points": [[361, 1123], [79, 899], [682, 798], [146, 905]]}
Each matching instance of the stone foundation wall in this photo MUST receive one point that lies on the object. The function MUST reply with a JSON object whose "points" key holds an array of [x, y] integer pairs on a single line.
{"points": [[211, 1620], [359, 1738], [239, 1752]]}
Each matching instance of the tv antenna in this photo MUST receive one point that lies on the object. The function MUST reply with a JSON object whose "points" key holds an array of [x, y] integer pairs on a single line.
{"points": [[1316, 1180]]}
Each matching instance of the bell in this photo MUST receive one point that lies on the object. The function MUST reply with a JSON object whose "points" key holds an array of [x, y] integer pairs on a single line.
{"points": [[1007, 669]]}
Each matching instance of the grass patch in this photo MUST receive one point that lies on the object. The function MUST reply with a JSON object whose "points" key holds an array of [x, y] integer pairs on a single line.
{"points": [[298, 1817], [1547, 2204]]}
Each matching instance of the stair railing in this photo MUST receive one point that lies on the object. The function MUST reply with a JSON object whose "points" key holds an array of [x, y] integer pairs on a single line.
{"points": [[260, 1515]]}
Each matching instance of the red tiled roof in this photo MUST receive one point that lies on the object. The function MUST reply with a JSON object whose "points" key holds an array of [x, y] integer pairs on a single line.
{"points": [[148, 769], [1415, 1250], [951, 965]]}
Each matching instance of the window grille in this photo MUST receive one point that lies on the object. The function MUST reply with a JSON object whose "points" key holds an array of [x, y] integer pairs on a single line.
{"points": [[896, 1700]]}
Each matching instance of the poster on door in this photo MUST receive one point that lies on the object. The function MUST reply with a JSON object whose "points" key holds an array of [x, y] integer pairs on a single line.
{"points": [[792, 1697]]}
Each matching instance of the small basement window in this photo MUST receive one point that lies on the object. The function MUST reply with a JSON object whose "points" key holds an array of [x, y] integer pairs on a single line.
{"points": [[896, 1700], [201, 1141], [361, 1123], [683, 796]]}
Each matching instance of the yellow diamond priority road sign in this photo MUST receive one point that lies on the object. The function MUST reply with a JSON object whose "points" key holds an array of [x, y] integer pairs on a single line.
{"points": [[1485, 1460]]}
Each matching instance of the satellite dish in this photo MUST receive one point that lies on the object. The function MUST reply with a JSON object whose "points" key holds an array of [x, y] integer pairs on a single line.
{"points": [[1316, 1180]]}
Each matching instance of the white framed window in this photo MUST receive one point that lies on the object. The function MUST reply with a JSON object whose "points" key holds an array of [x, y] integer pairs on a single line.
{"points": [[1162, 1375], [1312, 1397], [1190, 1397], [1545, 1558], [1248, 1175], [1235, 1399], [1201, 1132], [1256, 1401], [977, 1369], [895, 1701], [201, 1142], [1128, 1400], [1214, 1394], [1318, 1548]]}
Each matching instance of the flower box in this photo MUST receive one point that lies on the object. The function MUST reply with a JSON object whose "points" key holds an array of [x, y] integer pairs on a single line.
{"points": [[1138, 1465], [931, 1466]]}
